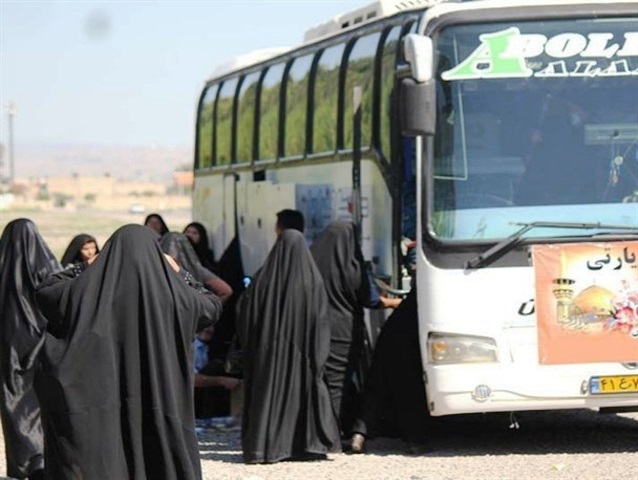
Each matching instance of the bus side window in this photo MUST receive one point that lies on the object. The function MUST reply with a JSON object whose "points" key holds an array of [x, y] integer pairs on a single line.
{"points": [[360, 73], [388, 66], [297, 106], [224, 121], [326, 100], [246, 117], [205, 129], [269, 112]]}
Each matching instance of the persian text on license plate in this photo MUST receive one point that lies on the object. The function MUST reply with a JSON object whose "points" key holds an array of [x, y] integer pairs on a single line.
{"points": [[613, 384]]}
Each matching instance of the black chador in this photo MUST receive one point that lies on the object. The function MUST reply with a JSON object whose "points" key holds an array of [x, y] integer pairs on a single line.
{"points": [[25, 260], [282, 327], [116, 387], [338, 256], [394, 401]]}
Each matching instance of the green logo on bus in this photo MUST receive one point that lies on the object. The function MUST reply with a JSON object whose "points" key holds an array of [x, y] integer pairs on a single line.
{"points": [[509, 54]]}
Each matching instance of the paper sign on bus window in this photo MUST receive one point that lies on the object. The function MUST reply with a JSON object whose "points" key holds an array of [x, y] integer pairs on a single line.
{"points": [[587, 302]]}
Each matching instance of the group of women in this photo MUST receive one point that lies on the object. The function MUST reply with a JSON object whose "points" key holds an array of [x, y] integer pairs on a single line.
{"points": [[96, 350], [96, 359]]}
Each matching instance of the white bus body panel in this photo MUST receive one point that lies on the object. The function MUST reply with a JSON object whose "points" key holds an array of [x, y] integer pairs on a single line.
{"points": [[257, 205], [322, 191]]}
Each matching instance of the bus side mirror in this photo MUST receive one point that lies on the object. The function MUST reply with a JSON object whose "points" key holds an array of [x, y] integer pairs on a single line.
{"points": [[419, 53], [417, 96], [418, 108]]}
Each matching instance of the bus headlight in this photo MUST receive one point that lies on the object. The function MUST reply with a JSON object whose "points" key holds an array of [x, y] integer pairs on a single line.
{"points": [[447, 348]]}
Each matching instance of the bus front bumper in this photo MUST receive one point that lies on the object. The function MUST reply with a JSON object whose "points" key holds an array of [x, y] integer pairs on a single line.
{"points": [[456, 389]]}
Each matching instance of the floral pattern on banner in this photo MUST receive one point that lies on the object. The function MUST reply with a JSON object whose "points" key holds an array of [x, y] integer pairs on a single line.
{"points": [[625, 316]]}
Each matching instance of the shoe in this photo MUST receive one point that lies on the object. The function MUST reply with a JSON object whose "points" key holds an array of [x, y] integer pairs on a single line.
{"points": [[357, 443]]}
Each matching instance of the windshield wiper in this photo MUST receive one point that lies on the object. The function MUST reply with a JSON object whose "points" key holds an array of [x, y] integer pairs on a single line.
{"points": [[507, 244]]}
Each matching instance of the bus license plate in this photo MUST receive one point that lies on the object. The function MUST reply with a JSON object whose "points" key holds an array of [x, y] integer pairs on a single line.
{"points": [[613, 384]]}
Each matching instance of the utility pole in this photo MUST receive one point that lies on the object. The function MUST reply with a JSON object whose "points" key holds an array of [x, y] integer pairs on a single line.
{"points": [[11, 111]]}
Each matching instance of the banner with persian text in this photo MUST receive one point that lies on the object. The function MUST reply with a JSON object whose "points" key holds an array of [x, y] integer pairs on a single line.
{"points": [[587, 302]]}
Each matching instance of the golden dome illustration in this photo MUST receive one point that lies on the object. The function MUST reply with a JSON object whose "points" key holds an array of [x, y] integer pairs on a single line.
{"points": [[594, 301]]}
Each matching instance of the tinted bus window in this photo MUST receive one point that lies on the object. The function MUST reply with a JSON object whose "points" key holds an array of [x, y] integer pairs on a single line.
{"points": [[296, 106], [269, 112], [388, 67], [326, 100], [246, 117], [205, 128], [360, 73], [224, 121]]}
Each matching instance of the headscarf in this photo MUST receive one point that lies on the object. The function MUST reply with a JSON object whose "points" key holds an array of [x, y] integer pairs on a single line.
{"points": [[116, 384], [73, 251], [338, 256], [158, 217], [202, 250], [25, 261], [178, 246]]}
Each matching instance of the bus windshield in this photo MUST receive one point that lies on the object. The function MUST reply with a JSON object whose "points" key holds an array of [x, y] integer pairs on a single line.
{"points": [[535, 121]]}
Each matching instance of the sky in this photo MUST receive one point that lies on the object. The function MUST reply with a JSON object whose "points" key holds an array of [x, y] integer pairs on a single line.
{"points": [[129, 73]]}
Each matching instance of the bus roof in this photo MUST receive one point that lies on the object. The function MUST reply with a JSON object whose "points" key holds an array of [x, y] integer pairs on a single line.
{"points": [[369, 13], [372, 12], [247, 59]]}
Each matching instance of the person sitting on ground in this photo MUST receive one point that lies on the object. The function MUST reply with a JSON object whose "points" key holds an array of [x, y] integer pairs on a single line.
{"points": [[212, 385], [80, 249]]}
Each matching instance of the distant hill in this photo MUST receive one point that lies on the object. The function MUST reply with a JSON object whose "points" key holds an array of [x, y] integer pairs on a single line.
{"points": [[132, 163]]}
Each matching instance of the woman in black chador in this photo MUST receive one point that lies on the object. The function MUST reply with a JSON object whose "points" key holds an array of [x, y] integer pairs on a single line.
{"points": [[81, 248], [338, 256], [394, 401], [116, 385], [25, 260], [282, 328]]}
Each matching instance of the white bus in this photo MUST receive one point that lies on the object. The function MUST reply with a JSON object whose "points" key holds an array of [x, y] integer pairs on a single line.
{"points": [[502, 137]]}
